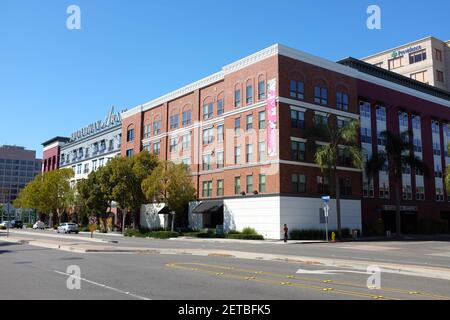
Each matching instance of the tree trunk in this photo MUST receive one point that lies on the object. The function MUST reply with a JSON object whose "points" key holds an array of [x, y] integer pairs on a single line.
{"points": [[338, 206], [398, 226], [50, 220]]}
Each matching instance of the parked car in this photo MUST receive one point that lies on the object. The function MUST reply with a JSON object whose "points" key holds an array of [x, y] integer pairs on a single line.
{"points": [[6, 224], [68, 227], [17, 224], [39, 225]]}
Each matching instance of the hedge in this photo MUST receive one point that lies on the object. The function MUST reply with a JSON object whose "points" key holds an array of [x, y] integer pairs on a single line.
{"points": [[243, 236], [317, 234]]}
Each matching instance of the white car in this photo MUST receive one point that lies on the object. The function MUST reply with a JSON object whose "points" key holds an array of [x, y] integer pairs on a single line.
{"points": [[6, 224], [39, 225], [68, 227]]}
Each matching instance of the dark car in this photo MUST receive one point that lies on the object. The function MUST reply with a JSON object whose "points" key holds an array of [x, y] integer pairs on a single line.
{"points": [[17, 224]]}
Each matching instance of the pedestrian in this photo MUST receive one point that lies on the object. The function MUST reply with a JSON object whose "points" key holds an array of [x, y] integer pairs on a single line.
{"points": [[285, 230]]}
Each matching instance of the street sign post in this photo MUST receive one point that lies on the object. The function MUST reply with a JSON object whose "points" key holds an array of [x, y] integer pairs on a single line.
{"points": [[326, 209]]}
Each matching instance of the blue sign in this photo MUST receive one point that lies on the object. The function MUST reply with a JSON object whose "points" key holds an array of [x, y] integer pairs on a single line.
{"points": [[326, 199]]}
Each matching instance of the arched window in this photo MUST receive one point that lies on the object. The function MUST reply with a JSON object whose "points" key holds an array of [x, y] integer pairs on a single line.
{"points": [[249, 91], [208, 108], [130, 133]]}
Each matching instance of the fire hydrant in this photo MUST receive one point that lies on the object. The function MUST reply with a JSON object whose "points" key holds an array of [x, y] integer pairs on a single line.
{"points": [[333, 236]]}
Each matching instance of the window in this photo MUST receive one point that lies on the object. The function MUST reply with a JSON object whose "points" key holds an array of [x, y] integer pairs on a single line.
{"points": [[323, 185], [86, 168], [436, 148], [101, 162], [298, 183], [237, 126], [220, 133], [249, 94], [420, 76], [79, 169], [174, 121], [342, 122], [420, 193], [261, 90], [207, 189], [219, 188], [94, 162], [186, 161], [220, 107], [379, 64], [237, 185], [156, 127], [416, 122], [237, 155], [262, 151], [207, 162], [417, 145], [342, 101], [297, 119], [298, 151], [364, 109], [262, 183], [186, 117], [437, 171], [208, 136], [344, 158], [130, 136], [146, 147], [438, 54], [320, 95], [439, 194], [130, 153], [249, 122], [186, 142], [439, 76], [219, 160], [320, 120], [418, 56], [249, 182], [345, 186], [249, 153], [407, 193], [237, 98], [173, 144], [208, 111], [366, 135], [297, 90], [262, 120], [395, 63], [156, 148], [435, 127], [383, 191], [381, 139]]}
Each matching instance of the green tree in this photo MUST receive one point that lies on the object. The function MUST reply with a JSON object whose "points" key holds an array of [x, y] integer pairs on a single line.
{"points": [[397, 156], [326, 141], [171, 184], [94, 200]]}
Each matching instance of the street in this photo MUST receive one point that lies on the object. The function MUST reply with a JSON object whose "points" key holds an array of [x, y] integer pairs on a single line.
{"points": [[40, 272]]}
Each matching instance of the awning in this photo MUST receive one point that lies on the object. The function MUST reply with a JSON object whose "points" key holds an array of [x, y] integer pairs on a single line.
{"points": [[210, 206]]}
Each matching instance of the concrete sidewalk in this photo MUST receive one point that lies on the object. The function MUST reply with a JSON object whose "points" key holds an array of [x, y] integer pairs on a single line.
{"points": [[360, 265]]}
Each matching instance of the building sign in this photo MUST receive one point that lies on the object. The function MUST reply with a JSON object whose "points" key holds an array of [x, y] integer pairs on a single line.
{"points": [[112, 119], [401, 53], [271, 111], [402, 208]]}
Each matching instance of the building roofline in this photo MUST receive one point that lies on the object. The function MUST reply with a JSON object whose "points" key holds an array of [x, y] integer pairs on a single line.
{"points": [[56, 139]]}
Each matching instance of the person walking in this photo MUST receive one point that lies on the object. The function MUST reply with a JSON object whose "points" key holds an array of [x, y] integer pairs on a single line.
{"points": [[286, 231]]}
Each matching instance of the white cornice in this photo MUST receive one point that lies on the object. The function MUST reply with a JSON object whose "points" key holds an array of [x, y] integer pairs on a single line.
{"points": [[252, 59]]}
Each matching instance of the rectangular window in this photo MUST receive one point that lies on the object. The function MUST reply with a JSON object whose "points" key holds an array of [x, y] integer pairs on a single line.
{"points": [[86, 168], [262, 183], [249, 182], [321, 95], [220, 133], [439, 76], [407, 193], [130, 136], [261, 90], [237, 126], [249, 153], [207, 189], [420, 193], [262, 120], [438, 54], [208, 111], [157, 148], [186, 117], [237, 155], [146, 147], [381, 113], [130, 153], [207, 162], [297, 119], [342, 123], [323, 185], [297, 89], [208, 136], [219, 160], [220, 107], [237, 98], [395, 63], [219, 188], [366, 135], [79, 169], [249, 124], [186, 142], [249, 94], [418, 56], [156, 127], [237, 185], [173, 144], [298, 151], [174, 121], [320, 120], [439, 194], [420, 76], [262, 151], [342, 101], [345, 186], [298, 183]]}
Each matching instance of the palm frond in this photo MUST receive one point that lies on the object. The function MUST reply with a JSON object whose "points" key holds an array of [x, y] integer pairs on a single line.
{"points": [[375, 164]]}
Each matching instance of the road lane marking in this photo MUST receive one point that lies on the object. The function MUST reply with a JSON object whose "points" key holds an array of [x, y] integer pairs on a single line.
{"points": [[339, 283], [103, 286]]}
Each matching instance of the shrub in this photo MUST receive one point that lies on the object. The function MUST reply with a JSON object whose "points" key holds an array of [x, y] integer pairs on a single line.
{"points": [[162, 234], [243, 236], [249, 231], [29, 226], [133, 233], [234, 232]]}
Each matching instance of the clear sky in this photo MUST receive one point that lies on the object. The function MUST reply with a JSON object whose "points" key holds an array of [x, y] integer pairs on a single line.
{"points": [[53, 80]]}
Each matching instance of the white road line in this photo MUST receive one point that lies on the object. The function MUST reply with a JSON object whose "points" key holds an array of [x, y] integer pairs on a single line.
{"points": [[103, 286]]}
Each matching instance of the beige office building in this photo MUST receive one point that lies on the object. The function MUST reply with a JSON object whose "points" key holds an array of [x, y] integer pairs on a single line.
{"points": [[426, 60]]}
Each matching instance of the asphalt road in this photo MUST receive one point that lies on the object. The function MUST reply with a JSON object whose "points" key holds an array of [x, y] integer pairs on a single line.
{"points": [[29, 272]]}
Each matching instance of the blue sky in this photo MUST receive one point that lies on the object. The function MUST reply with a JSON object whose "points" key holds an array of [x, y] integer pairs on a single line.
{"points": [[54, 80]]}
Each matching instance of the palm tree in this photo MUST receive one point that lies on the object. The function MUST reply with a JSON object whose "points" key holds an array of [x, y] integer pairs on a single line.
{"points": [[397, 156], [326, 141]]}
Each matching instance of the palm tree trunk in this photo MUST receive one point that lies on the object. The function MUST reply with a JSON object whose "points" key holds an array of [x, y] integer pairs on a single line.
{"points": [[398, 225], [338, 206]]}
